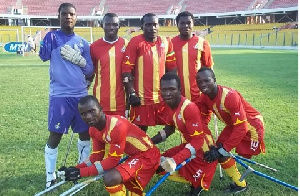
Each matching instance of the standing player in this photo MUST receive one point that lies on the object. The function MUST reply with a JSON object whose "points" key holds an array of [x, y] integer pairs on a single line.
{"points": [[124, 138], [107, 55], [185, 116], [192, 52], [146, 59], [244, 128], [70, 63]]}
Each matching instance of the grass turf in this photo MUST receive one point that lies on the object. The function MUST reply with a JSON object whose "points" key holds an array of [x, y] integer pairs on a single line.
{"points": [[266, 78]]}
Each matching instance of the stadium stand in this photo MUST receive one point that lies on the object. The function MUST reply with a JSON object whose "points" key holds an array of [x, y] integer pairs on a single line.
{"points": [[282, 4], [6, 6], [136, 7], [34, 7], [216, 6]]}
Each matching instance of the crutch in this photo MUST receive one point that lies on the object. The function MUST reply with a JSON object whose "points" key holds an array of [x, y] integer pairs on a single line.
{"points": [[81, 185], [68, 149], [217, 135], [255, 163], [250, 169], [50, 188], [167, 175]]}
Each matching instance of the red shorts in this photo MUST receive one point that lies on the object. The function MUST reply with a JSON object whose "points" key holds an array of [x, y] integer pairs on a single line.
{"points": [[121, 113], [198, 172], [138, 170], [150, 115], [247, 147]]}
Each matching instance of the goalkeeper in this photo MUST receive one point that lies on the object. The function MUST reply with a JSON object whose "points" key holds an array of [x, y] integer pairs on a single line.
{"points": [[70, 66]]}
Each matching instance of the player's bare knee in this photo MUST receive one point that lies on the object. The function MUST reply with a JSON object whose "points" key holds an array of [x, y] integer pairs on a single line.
{"points": [[112, 178]]}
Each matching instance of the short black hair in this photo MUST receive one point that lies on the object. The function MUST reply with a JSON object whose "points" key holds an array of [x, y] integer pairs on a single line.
{"points": [[207, 69], [185, 13], [88, 98], [171, 76], [147, 15], [66, 5], [110, 15]]}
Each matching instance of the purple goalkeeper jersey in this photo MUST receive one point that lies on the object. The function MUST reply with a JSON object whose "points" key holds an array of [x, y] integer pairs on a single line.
{"points": [[66, 79]]}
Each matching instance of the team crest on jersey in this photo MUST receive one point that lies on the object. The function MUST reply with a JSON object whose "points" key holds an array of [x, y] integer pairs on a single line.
{"points": [[138, 118], [123, 49], [162, 45], [108, 138], [221, 107], [179, 117], [81, 43], [196, 46]]}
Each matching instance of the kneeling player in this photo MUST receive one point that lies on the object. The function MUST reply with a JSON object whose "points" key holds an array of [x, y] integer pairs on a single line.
{"points": [[185, 115], [123, 137]]}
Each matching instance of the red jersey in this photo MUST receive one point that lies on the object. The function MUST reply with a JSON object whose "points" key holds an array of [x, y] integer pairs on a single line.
{"points": [[232, 109], [191, 55], [107, 59], [148, 62], [123, 138], [186, 118]]}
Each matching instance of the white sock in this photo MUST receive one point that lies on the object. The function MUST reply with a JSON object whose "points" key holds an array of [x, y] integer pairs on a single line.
{"points": [[84, 148], [50, 159]]}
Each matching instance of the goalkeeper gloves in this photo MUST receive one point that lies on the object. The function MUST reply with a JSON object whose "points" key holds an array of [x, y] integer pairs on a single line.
{"points": [[72, 55]]}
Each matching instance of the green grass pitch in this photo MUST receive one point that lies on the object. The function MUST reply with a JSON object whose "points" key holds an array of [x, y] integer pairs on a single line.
{"points": [[268, 79]]}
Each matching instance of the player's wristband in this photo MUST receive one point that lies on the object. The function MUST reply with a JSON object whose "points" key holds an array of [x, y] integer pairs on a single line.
{"points": [[191, 149], [223, 152], [163, 135], [132, 94]]}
